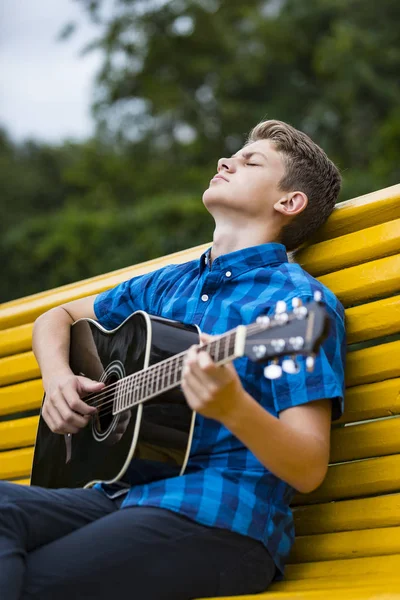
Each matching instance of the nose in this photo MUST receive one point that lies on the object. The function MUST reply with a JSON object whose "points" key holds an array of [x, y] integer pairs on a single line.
{"points": [[227, 164]]}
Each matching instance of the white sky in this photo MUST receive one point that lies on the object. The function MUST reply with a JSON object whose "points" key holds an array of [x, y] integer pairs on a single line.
{"points": [[45, 86]]}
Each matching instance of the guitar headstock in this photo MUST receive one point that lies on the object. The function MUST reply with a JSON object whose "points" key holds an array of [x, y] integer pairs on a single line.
{"points": [[300, 331]]}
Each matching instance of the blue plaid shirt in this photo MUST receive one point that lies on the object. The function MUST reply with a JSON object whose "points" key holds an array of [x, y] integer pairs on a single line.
{"points": [[225, 485]]}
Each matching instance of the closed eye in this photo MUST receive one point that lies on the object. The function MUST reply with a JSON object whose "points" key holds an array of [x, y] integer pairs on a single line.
{"points": [[253, 164]]}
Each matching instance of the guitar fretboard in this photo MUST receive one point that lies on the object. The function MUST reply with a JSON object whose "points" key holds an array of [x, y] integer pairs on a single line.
{"points": [[167, 374]]}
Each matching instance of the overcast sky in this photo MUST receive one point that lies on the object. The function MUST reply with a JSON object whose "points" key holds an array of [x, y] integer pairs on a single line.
{"points": [[45, 86]]}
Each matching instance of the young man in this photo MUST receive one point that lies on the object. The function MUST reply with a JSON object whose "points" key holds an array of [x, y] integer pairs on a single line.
{"points": [[224, 527]]}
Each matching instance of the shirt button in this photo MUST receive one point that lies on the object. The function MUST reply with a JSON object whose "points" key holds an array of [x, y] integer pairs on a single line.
{"points": [[228, 273], [204, 297]]}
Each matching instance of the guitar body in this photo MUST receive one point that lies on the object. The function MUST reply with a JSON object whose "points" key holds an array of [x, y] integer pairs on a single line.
{"points": [[157, 434]]}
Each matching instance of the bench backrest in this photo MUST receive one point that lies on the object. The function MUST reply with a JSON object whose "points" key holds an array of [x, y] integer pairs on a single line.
{"points": [[357, 255]]}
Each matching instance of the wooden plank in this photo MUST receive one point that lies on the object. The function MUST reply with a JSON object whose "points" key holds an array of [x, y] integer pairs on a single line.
{"points": [[18, 433], [373, 364], [356, 590], [357, 479], [348, 515], [352, 249], [346, 544], [20, 367], [20, 397], [371, 401], [21, 481], [373, 320], [383, 567], [16, 463], [26, 310], [366, 440], [360, 213], [365, 282], [364, 322], [17, 339]]}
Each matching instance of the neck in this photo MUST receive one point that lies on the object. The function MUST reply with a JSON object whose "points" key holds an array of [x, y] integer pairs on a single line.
{"points": [[228, 238]]}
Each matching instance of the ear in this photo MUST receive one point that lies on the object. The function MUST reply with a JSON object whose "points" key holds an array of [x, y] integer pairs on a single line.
{"points": [[292, 203]]}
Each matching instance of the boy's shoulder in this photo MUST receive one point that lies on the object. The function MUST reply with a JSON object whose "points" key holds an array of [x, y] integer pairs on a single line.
{"points": [[301, 283]]}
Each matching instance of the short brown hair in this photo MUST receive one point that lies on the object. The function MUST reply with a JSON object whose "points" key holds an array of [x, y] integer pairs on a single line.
{"points": [[309, 170]]}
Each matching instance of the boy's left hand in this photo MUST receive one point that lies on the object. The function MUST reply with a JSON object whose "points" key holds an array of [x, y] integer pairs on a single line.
{"points": [[211, 390]]}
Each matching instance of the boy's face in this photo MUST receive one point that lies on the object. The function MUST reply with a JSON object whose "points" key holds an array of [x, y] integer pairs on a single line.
{"points": [[248, 181]]}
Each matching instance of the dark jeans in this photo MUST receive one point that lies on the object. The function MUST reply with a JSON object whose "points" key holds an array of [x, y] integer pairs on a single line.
{"points": [[76, 544]]}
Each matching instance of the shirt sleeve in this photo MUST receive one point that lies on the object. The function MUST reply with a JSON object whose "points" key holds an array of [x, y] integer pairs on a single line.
{"points": [[113, 306], [327, 380]]}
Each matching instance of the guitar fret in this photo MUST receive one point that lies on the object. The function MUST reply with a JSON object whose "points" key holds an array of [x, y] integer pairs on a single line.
{"points": [[217, 346], [226, 348]]}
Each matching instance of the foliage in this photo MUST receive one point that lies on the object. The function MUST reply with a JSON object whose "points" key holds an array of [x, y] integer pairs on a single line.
{"points": [[182, 83]]}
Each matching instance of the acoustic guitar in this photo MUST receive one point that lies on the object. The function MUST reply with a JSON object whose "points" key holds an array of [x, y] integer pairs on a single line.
{"points": [[140, 363]]}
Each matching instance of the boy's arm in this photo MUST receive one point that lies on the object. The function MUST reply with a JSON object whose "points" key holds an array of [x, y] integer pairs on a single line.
{"points": [[295, 446], [63, 410]]}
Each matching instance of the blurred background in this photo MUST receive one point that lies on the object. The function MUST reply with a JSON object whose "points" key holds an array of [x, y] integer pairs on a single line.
{"points": [[113, 114]]}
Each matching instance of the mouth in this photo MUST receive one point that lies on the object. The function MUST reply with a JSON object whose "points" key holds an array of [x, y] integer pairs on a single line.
{"points": [[217, 177]]}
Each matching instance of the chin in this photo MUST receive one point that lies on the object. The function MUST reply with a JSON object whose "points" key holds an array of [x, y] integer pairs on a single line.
{"points": [[210, 196]]}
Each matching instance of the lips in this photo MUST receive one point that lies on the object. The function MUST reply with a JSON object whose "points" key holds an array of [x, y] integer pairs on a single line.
{"points": [[219, 177]]}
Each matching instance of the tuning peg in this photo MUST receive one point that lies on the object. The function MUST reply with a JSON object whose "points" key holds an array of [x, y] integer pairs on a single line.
{"points": [[280, 307], [263, 320], [296, 302], [273, 371], [260, 350], [301, 312], [310, 363], [317, 296], [289, 365]]}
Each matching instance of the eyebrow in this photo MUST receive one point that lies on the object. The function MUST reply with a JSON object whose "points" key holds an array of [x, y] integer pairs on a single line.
{"points": [[248, 155]]}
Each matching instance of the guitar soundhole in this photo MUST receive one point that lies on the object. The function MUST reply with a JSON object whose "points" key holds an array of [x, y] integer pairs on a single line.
{"points": [[105, 420], [105, 416]]}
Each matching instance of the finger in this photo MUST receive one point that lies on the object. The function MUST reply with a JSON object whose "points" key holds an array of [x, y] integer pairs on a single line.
{"points": [[206, 370], [59, 425], [89, 385], [48, 419], [70, 418], [75, 403], [205, 338]]}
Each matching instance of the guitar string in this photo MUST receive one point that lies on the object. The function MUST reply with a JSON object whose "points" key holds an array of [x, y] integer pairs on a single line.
{"points": [[153, 371], [104, 405], [149, 372]]}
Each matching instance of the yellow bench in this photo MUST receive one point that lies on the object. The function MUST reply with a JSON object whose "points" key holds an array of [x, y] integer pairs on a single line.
{"points": [[348, 531]]}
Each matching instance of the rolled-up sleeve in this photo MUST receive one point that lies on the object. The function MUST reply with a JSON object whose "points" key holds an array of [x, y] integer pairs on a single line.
{"points": [[327, 380], [113, 306]]}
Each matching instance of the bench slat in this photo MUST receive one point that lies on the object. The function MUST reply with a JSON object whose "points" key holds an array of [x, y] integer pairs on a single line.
{"points": [[356, 480], [352, 249], [359, 589], [366, 440], [346, 544], [16, 463], [21, 396], [20, 367], [363, 366], [365, 282], [371, 401], [18, 433], [360, 213], [21, 481], [17, 339], [380, 566], [348, 515], [373, 320], [26, 310], [373, 364]]}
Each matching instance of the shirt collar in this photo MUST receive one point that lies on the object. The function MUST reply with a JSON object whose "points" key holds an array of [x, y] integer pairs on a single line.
{"points": [[240, 261]]}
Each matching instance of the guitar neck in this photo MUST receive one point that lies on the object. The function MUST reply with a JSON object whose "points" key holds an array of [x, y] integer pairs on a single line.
{"points": [[167, 374]]}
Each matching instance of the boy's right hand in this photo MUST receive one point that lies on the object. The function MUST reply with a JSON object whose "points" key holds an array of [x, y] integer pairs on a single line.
{"points": [[63, 409]]}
